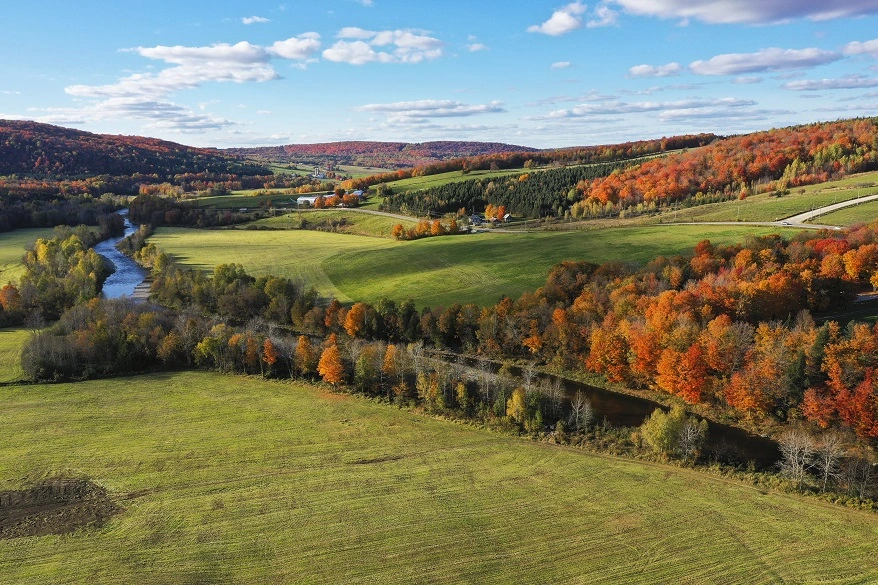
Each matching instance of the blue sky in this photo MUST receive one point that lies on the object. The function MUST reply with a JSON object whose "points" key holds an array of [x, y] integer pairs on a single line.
{"points": [[537, 73]]}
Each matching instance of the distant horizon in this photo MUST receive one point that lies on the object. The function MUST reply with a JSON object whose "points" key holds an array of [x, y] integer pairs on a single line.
{"points": [[546, 74]]}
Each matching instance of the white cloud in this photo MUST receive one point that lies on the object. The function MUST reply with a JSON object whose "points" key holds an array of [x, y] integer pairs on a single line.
{"points": [[604, 16], [355, 53], [846, 82], [560, 65], [562, 21], [655, 70], [145, 95], [222, 62], [254, 20], [474, 47], [749, 11], [747, 80], [858, 48], [160, 114], [617, 108], [406, 46], [771, 59], [297, 48], [417, 113]]}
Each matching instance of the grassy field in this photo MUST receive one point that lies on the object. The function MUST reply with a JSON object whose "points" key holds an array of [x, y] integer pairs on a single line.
{"points": [[349, 222], [234, 480], [12, 245], [251, 200], [477, 268], [11, 342], [765, 207], [427, 181], [848, 216]]}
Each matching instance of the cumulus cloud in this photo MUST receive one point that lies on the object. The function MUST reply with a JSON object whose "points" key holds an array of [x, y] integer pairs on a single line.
{"points": [[655, 70], [473, 47], [846, 82], [771, 59], [858, 48], [562, 21], [254, 20], [222, 62], [145, 95], [603, 16], [749, 11], [298, 48], [358, 46], [560, 65]]}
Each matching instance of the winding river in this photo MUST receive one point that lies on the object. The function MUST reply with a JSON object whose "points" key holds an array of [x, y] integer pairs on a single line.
{"points": [[128, 273], [724, 442]]}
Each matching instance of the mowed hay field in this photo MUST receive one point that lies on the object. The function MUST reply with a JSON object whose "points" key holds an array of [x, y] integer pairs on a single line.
{"points": [[232, 480], [11, 342], [476, 268], [12, 248]]}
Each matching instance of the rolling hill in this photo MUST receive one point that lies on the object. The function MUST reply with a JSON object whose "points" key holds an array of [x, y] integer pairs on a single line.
{"points": [[45, 151], [377, 154]]}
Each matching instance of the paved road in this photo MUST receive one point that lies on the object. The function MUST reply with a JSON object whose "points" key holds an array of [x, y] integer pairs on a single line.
{"points": [[795, 221], [803, 217]]}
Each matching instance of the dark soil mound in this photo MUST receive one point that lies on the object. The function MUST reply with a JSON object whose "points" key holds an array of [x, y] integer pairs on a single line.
{"points": [[54, 506]]}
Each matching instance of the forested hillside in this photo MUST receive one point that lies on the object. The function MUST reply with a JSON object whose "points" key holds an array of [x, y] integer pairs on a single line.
{"points": [[42, 150], [376, 154], [722, 169]]}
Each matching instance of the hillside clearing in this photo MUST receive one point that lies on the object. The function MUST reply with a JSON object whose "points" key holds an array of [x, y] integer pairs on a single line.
{"points": [[476, 268]]}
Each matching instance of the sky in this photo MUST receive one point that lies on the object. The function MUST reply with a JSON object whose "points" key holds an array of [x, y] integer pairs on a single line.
{"points": [[538, 73]]}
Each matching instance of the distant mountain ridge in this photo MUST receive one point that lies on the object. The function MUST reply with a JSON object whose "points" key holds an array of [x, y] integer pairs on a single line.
{"points": [[33, 149], [377, 154]]}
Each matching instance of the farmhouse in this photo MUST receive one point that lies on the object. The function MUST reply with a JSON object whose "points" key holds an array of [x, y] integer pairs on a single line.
{"points": [[307, 200]]}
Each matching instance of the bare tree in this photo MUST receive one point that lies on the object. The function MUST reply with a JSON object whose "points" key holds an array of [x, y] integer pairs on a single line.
{"points": [[555, 392], [858, 474], [827, 458], [485, 378], [691, 437], [797, 449], [529, 375], [416, 353], [581, 412]]}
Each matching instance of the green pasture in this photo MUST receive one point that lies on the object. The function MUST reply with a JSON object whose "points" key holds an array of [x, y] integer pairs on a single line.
{"points": [[11, 342], [475, 268], [427, 181], [348, 222], [12, 248], [297, 255], [235, 480], [253, 200], [848, 216], [767, 207]]}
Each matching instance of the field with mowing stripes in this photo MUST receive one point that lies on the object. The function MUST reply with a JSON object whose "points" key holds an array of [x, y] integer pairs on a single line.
{"points": [[226, 479], [11, 342], [477, 268]]}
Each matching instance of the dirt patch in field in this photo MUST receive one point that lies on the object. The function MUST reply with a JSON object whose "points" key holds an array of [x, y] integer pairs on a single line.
{"points": [[54, 506]]}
